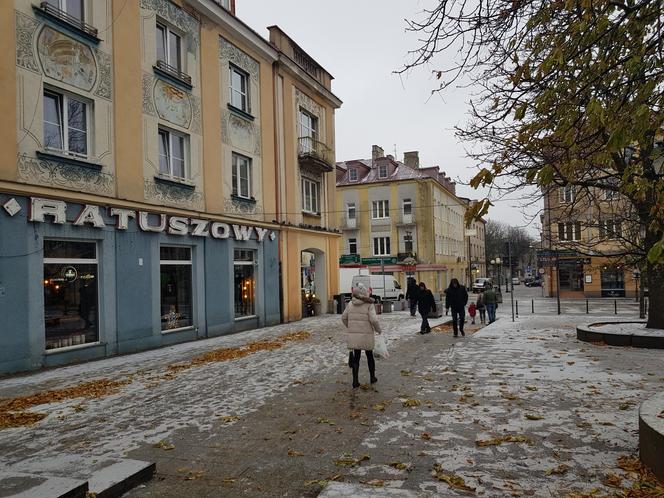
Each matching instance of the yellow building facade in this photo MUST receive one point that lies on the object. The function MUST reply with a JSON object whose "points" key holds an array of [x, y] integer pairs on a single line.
{"points": [[164, 167], [406, 215]]}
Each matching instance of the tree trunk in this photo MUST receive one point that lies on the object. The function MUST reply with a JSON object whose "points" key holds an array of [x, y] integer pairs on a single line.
{"points": [[655, 296]]}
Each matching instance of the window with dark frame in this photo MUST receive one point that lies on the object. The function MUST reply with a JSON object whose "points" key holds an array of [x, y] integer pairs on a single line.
{"points": [[569, 231], [66, 120], [610, 229], [239, 89], [242, 176], [176, 299], [408, 242], [172, 153], [407, 207], [71, 289], [244, 283]]}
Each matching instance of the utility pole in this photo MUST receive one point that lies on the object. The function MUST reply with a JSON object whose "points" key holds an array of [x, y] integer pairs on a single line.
{"points": [[509, 258]]}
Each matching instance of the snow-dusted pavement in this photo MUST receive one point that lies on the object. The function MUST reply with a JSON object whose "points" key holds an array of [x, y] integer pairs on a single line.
{"points": [[518, 409]]}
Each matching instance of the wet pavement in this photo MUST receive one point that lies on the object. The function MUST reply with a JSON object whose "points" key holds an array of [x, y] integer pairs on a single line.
{"points": [[515, 409]]}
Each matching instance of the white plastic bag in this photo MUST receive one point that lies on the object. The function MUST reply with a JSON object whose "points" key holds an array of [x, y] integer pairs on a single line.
{"points": [[380, 346]]}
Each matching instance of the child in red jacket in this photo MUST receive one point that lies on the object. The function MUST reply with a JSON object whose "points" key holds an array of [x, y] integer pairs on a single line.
{"points": [[472, 311]]}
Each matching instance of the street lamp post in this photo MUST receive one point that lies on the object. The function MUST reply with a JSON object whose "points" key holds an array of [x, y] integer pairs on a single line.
{"points": [[636, 274]]}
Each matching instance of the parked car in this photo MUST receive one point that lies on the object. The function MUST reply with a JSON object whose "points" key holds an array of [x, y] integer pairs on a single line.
{"points": [[390, 290], [481, 283], [533, 282], [516, 281]]}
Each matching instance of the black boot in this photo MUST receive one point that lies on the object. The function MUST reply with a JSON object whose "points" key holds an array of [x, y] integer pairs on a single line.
{"points": [[350, 359], [356, 368], [372, 367]]}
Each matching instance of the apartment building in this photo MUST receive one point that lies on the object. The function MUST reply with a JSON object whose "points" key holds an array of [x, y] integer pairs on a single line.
{"points": [[163, 167], [405, 220], [586, 238]]}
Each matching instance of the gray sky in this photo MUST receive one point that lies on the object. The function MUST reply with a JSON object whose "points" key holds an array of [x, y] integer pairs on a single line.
{"points": [[361, 43]]}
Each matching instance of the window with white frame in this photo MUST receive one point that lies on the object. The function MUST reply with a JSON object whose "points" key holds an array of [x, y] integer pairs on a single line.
{"points": [[308, 124], [176, 287], [610, 229], [239, 88], [380, 210], [352, 174], [351, 211], [408, 243], [66, 119], [73, 8], [352, 246], [169, 47], [241, 176], [381, 246], [569, 231], [567, 194], [172, 153], [310, 196], [382, 171], [407, 207]]}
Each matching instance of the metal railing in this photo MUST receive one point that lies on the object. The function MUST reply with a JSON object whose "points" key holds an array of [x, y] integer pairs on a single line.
{"points": [[173, 72], [309, 147], [69, 19], [599, 306]]}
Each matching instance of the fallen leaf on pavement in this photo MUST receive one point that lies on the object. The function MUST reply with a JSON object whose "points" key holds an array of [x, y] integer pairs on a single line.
{"points": [[530, 416], [294, 453], [503, 439], [399, 465], [453, 480], [558, 471], [164, 445], [406, 373], [229, 418], [379, 407], [412, 402], [612, 480], [426, 436]]}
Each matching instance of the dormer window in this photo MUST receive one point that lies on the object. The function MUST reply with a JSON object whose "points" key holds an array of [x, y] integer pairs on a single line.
{"points": [[352, 174], [382, 171]]}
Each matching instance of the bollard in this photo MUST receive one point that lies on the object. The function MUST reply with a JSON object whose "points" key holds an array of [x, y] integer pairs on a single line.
{"points": [[615, 306], [587, 309], [532, 306], [517, 309]]}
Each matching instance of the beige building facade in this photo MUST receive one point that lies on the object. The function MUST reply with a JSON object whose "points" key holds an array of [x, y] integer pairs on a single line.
{"points": [[163, 170]]}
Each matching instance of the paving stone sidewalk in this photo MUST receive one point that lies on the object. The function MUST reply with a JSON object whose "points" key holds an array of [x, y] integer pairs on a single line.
{"points": [[516, 409]]}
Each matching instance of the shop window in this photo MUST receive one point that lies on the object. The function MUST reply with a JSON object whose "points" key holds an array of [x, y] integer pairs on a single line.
{"points": [[310, 196], [239, 89], [176, 288], [352, 246], [244, 283], [380, 210], [613, 283], [381, 246], [241, 176], [571, 275], [73, 8], [71, 305], [66, 119], [172, 153], [169, 47]]}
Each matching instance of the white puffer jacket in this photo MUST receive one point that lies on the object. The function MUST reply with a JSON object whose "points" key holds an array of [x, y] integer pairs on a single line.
{"points": [[361, 322]]}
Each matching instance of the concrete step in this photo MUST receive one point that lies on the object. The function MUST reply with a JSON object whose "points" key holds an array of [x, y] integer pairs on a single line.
{"points": [[72, 476]]}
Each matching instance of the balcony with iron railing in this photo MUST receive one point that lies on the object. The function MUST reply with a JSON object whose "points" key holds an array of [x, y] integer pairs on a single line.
{"points": [[312, 152], [173, 73], [61, 17]]}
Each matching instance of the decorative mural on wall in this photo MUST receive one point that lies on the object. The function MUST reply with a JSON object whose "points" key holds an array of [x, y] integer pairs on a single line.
{"points": [[230, 53], [67, 176], [305, 102], [241, 134], [232, 206], [26, 27], [172, 104], [65, 59], [172, 195]]}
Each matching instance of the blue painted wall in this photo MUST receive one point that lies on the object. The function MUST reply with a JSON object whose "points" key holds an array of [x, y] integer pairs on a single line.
{"points": [[129, 290]]}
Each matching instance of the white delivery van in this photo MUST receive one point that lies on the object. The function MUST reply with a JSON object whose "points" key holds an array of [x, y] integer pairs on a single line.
{"points": [[381, 287], [346, 279]]}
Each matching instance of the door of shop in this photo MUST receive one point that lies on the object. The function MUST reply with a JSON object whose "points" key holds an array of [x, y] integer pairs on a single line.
{"points": [[571, 275]]}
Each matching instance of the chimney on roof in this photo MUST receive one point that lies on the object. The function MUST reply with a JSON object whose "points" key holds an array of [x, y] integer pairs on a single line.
{"points": [[412, 159], [376, 152]]}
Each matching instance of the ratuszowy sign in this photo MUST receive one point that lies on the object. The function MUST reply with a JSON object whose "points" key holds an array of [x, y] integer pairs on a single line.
{"points": [[54, 211]]}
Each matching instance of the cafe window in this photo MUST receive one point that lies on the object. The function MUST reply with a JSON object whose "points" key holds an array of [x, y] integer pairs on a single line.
{"points": [[71, 287], [176, 288], [244, 283]]}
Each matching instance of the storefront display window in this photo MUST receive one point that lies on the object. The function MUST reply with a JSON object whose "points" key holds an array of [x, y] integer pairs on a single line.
{"points": [[71, 307], [244, 283], [176, 288], [613, 283], [571, 275]]}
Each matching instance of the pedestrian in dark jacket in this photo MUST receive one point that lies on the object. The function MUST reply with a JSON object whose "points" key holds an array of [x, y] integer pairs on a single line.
{"points": [[456, 299], [412, 293], [481, 307], [425, 304]]}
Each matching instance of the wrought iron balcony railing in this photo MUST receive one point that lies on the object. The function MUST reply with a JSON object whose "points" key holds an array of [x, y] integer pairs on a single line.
{"points": [[173, 72], [69, 19], [311, 150]]}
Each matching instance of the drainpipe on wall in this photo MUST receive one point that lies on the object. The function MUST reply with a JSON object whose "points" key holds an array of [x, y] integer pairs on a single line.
{"points": [[277, 183]]}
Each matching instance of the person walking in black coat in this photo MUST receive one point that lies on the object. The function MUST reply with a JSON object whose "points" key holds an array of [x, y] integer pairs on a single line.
{"points": [[425, 304], [456, 298], [412, 293]]}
